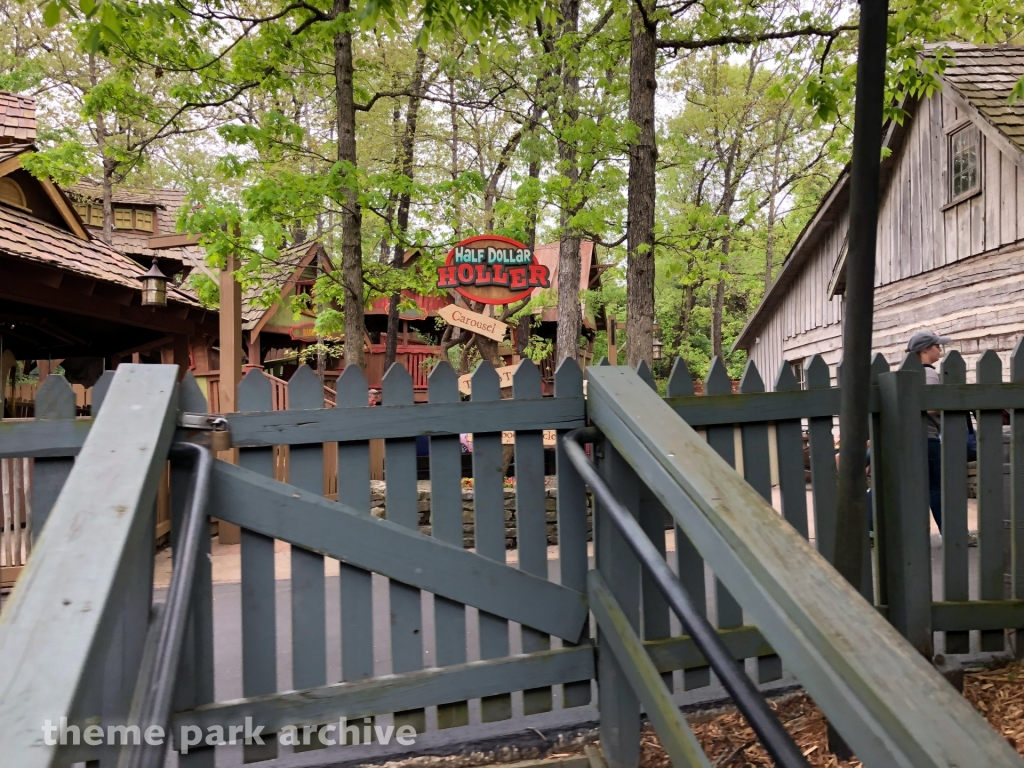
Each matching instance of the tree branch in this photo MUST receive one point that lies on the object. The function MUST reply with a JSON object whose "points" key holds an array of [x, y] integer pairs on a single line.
{"points": [[714, 42]]}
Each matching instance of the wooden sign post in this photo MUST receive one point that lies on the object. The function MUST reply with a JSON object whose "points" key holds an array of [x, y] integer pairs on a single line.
{"points": [[490, 327]]}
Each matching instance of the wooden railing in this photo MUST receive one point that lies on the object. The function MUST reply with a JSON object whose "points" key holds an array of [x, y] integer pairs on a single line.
{"points": [[776, 599], [76, 626], [867, 675]]}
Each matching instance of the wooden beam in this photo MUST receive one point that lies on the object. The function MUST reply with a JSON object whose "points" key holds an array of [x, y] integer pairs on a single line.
{"points": [[103, 304], [10, 165], [888, 702], [230, 336], [66, 211], [310, 521], [390, 693], [58, 631], [158, 242], [675, 734], [149, 346], [258, 430]]}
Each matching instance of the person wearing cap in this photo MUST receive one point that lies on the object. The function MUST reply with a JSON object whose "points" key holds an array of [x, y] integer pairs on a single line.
{"points": [[928, 348]]}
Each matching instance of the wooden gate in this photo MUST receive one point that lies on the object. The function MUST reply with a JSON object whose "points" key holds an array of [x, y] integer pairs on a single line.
{"points": [[447, 679], [471, 634]]}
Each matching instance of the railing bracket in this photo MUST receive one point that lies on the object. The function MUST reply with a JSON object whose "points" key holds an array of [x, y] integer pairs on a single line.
{"points": [[208, 429]]}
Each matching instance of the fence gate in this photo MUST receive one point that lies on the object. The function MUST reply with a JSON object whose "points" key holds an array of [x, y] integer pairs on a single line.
{"points": [[456, 572]]}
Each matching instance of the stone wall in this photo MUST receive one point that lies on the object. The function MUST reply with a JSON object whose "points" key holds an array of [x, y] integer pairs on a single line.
{"points": [[423, 500]]}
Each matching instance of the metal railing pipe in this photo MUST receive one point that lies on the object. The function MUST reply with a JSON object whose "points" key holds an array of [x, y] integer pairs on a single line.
{"points": [[155, 709], [748, 699]]}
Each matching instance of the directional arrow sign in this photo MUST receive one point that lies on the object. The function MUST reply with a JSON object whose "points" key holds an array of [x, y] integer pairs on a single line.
{"points": [[473, 321], [504, 377]]}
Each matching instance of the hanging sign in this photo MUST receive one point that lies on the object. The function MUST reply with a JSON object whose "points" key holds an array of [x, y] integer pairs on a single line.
{"points": [[307, 332], [492, 270], [490, 327]]}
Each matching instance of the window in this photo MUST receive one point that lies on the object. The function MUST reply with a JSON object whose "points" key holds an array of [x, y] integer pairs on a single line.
{"points": [[964, 166], [11, 194], [144, 220], [798, 371], [95, 216], [123, 218], [82, 209]]}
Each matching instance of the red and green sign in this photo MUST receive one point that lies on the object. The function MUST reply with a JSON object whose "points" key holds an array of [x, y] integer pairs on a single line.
{"points": [[492, 270]]}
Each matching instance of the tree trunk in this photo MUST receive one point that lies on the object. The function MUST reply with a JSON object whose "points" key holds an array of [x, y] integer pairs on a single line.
{"points": [[404, 202], [523, 328], [457, 202], [570, 316], [686, 314], [640, 206], [716, 314], [108, 189], [769, 246], [351, 214], [108, 164]]}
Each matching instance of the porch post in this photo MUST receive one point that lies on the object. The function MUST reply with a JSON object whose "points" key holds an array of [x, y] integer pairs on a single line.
{"points": [[230, 363]]}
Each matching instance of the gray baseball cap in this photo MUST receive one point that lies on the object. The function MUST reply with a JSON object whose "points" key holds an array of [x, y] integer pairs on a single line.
{"points": [[921, 340]]}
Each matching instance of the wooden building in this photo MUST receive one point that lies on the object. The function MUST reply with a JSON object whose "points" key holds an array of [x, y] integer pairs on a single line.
{"points": [[144, 225], [950, 254], [64, 294]]}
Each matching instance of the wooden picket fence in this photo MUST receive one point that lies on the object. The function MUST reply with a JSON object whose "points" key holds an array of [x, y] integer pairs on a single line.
{"points": [[16, 499], [759, 579]]}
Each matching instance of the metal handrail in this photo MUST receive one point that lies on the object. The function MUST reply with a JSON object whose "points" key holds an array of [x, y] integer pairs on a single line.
{"points": [[155, 708], [748, 699]]}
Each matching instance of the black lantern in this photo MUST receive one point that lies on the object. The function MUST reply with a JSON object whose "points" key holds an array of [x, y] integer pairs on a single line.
{"points": [[154, 287]]}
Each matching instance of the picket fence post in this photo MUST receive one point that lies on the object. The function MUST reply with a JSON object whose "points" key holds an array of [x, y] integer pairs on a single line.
{"points": [[904, 480]]}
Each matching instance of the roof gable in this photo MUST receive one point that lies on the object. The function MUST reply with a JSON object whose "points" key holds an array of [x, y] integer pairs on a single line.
{"points": [[46, 200], [284, 274], [986, 74], [985, 77]]}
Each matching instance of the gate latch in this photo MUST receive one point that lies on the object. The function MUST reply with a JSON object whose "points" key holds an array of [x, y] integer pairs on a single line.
{"points": [[210, 429]]}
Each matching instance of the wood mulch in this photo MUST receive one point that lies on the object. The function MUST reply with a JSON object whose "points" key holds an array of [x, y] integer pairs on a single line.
{"points": [[996, 692]]}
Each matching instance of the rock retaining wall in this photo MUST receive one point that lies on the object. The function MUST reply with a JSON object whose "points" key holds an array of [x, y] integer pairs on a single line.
{"points": [[379, 509]]}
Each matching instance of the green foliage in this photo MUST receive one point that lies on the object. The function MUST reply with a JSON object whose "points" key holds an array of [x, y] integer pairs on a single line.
{"points": [[237, 104]]}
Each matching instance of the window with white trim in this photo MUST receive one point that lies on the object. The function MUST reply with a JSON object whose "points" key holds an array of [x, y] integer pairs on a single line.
{"points": [[964, 162]]}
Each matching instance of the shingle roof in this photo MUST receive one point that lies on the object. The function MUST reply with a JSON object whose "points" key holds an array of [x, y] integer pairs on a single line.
{"points": [[25, 237], [985, 75], [167, 202], [17, 117], [274, 275], [93, 191], [7, 151]]}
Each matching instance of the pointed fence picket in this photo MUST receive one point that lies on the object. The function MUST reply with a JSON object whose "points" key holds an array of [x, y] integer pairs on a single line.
{"points": [[747, 426]]}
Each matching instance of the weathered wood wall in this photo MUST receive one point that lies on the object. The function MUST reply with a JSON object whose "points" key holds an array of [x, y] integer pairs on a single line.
{"points": [[952, 269]]}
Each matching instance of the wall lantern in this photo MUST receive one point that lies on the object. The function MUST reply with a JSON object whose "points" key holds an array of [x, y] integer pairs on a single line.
{"points": [[154, 287]]}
